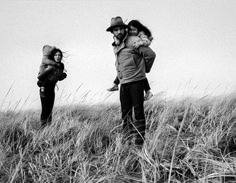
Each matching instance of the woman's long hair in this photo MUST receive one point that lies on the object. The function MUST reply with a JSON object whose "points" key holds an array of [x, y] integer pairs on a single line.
{"points": [[140, 27], [53, 52]]}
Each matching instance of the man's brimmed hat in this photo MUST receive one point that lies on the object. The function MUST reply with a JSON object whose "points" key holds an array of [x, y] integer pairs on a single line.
{"points": [[116, 22]]}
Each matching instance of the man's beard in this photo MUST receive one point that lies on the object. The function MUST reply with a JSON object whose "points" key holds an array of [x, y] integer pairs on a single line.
{"points": [[120, 37]]}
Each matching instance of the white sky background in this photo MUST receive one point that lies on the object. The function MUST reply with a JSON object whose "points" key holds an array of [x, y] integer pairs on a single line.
{"points": [[194, 40]]}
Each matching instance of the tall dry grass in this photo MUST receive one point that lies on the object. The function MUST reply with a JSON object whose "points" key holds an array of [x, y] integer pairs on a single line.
{"points": [[188, 140]]}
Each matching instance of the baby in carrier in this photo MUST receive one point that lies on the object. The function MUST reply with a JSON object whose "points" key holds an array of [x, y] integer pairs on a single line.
{"points": [[50, 71]]}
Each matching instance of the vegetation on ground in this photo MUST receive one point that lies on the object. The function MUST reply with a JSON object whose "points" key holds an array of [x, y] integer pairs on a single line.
{"points": [[187, 140]]}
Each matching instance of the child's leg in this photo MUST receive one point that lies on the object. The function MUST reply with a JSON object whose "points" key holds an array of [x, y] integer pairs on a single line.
{"points": [[146, 85], [115, 85], [116, 81], [148, 93]]}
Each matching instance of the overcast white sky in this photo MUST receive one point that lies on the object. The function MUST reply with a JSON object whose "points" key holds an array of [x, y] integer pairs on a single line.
{"points": [[195, 43]]}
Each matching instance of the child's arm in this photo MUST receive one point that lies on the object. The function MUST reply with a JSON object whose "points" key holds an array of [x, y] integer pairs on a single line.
{"points": [[143, 41], [116, 41]]}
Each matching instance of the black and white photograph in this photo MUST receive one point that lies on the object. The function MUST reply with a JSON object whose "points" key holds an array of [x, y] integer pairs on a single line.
{"points": [[115, 91]]}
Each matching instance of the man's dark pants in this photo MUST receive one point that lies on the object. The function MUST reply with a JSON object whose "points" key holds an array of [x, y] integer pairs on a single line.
{"points": [[47, 101], [132, 97]]}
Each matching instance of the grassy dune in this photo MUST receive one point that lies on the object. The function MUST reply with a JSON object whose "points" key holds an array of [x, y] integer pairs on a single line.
{"points": [[189, 140]]}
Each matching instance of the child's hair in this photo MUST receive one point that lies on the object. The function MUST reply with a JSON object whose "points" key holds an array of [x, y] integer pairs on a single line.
{"points": [[53, 52], [140, 27]]}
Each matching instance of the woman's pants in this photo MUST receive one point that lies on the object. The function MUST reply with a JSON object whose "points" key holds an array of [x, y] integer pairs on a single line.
{"points": [[132, 98], [47, 97]]}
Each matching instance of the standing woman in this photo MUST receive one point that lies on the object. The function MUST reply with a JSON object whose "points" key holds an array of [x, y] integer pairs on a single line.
{"points": [[48, 76]]}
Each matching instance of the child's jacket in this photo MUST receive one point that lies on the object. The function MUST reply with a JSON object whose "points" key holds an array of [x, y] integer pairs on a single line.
{"points": [[136, 41], [143, 40]]}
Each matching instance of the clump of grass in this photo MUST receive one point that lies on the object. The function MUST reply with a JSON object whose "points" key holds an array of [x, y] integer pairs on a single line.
{"points": [[189, 140]]}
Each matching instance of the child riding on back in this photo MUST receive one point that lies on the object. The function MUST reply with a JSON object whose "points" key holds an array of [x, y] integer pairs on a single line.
{"points": [[140, 36]]}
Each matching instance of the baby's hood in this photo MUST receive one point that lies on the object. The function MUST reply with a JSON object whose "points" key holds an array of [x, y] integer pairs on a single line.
{"points": [[47, 49]]}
